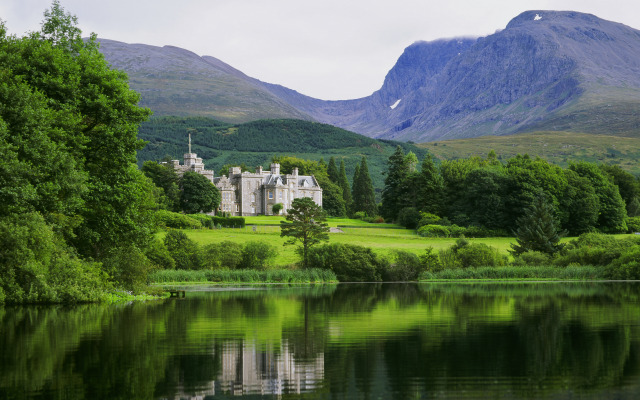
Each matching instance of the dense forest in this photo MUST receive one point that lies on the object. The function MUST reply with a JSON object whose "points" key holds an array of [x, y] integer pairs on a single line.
{"points": [[255, 143], [491, 194]]}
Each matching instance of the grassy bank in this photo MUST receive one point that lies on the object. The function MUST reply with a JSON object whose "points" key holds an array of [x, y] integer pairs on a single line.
{"points": [[579, 273], [243, 276]]}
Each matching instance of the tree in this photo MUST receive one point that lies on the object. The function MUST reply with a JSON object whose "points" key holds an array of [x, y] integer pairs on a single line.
{"points": [[198, 194], [164, 176], [431, 187], [344, 185], [537, 229], [364, 198], [397, 172], [276, 208], [332, 171], [305, 223]]}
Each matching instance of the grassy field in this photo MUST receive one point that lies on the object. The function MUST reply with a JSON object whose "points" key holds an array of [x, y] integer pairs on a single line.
{"points": [[382, 238]]}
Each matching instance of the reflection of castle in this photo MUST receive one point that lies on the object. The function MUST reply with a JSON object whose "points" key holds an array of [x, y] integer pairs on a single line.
{"points": [[249, 370]]}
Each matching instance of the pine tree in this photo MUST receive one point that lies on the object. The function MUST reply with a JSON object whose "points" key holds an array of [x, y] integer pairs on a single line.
{"points": [[344, 184], [537, 229], [397, 172], [332, 171], [364, 198], [431, 191]]}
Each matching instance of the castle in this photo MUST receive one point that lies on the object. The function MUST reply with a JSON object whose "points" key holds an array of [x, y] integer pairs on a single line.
{"points": [[246, 193]]}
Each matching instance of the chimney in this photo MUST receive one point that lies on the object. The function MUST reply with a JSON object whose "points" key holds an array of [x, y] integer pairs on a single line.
{"points": [[295, 171], [259, 170]]}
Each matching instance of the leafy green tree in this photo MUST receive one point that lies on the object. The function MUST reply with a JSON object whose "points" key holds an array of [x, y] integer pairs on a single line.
{"points": [[364, 198], [198, 194], [628, 185], [485, 196], [611, 208], [184, 251], [578, 205], [537, 229], [164, 176], [305, 223]]}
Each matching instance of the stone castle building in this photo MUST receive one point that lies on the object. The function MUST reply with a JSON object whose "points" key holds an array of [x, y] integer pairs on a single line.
{"points": [[246, 193]]}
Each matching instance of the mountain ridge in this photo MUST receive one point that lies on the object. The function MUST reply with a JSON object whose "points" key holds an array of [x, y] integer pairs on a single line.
{"points": [[546, 70]]}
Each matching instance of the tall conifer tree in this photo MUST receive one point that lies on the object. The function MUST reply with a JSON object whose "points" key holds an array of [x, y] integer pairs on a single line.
{"points": [[344, 184], [364, 198]]}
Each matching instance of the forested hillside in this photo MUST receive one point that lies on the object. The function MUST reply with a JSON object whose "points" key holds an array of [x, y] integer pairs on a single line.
{"points": [[256, 143]]}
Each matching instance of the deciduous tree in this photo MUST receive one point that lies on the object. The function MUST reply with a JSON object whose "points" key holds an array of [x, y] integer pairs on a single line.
{"points": [[305, 223]]}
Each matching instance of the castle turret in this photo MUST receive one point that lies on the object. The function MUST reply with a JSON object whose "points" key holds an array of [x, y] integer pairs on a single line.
{"points": [[275, 169]]}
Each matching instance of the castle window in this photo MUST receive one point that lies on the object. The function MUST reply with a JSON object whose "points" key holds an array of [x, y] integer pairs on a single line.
{"points": [[270, 194], [253, 197], [280, 195]]}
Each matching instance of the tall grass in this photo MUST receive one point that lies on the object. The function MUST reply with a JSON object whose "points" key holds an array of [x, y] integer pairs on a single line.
{"points": [[243, 276], [518, 273]]}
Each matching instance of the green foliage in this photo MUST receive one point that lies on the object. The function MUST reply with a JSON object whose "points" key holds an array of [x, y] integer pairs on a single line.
{"points": [[633, 224], [430, 260], [198, 194], [532, 258], [434, 231], [627, 266], [305, 223], [169, 219], [409, 217], [519, 273], [184, 251], [257, 255], [479, 255], [164, 177], [344, 185], [276, 208], [364, 198], [129, 267], [537, 229], [405, 267], [225, 254], [229, 222], [350, 263], [592, 249], [159, 255], [245, 276]]}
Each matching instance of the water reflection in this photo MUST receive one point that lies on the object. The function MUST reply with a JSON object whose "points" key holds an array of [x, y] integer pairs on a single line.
{"points": [[549, 340]]}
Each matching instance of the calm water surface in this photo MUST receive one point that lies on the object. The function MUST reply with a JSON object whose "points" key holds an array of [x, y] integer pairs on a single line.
{"points": [[370, 341]]}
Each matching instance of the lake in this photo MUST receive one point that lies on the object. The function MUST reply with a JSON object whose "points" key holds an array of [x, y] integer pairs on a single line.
{"points": [[346, 341]]}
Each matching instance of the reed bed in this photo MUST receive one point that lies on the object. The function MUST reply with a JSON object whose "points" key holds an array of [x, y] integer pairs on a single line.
{"points": [[243, 276], [519, 273]]}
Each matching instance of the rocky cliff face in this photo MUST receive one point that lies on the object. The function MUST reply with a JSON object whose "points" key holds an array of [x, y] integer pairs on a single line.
{"points": [[546, 70]]}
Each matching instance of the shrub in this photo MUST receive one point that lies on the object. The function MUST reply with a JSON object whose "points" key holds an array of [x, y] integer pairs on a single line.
{"points": [[434, 231], [457, 231], [591, 249], [429, 219], [205, 220], [360, 215], [407, 267], [229, 222], [129, 267], [159, 256], [633, 224], [431, 261], [350, 263], [257, 255], [225, 254], [169, 219], [532, 258], [409, 217], [480, 231], [276, 208], [479, 255], [184, 251], [627, 266]]}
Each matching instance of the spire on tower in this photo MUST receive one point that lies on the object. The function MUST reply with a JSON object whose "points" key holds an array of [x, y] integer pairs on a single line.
{"points": [[189, 143]]}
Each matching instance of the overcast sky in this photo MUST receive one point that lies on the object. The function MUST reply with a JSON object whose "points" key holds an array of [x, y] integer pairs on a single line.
{"points": [[328, 49]]}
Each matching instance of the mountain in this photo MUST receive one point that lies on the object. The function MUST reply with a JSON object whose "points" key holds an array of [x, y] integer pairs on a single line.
{"points": [[547, 70], [174, 81]]}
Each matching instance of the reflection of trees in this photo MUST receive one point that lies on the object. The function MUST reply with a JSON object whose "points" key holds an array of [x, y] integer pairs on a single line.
{"points": [[420, 341]]}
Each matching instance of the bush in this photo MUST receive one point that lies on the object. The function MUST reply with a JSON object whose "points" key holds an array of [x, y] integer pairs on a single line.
{"points": [[350, 263], [479, 255], [456, 231], [633, 224], [184, 251], [169, 219], [205, 220], [429, 219], [532, 258], [407, 267], [129, 267], [480, 232], [276, 208], [409, 217], [360, 215], [431, 261], [627, 266], [159, 256], [257, 255], [434, 231], [229, 222], [591, 249], [225, 254]]}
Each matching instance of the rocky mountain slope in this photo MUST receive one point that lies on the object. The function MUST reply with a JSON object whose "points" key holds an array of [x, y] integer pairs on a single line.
{"points": [[547, 70]]}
